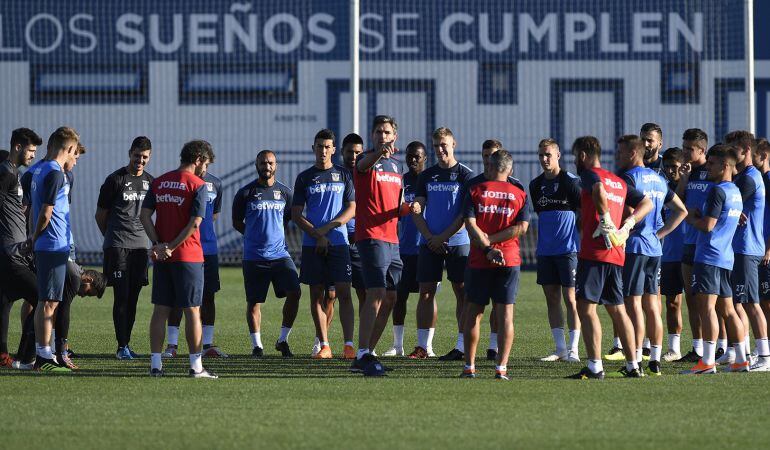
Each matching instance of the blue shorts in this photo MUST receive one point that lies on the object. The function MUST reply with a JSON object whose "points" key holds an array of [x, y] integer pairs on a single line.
{"points": [[408, 283], [500, 284], [211, 274], [51, 273], [334, 267], [764, 282], [711, 280], [257, 276], [557, 270], [744, 279], [641, 275], [688, 254], [671, 281], [357, 272], [599, 282], [177, 284], [430, 265], [381, 264]]}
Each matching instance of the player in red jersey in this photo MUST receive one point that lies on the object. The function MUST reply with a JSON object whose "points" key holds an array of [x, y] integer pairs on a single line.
{"points": [[178, 199], [496, 213], [601, 257]]}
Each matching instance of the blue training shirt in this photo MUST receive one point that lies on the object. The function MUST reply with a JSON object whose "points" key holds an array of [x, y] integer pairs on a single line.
{"points": [[323, 193], [213, 192], [51, 187], [265, 211], [672, 243], [724, 204], [694, 197], [442, 189], [408, 235], [556, 202], [749, 238], [643, 239]]}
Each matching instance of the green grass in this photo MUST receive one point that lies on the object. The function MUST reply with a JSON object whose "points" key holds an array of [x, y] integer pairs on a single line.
{"points": [[301, 403]]}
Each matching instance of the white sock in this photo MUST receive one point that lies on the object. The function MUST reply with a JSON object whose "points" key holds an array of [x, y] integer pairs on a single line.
{"points": [[208, 334], [349, 344], [256, 340], [155, 361], [595, 365], [284, 336], [747, 344], [709, 352], [763, 348], [460, 342], [574, 340], [697, 345], [740, 352], [398, 336], [558, 340], [431, 332], [616, 343], [673, 343], [631, 365], [52, 342], [324, 344], [44, 351], [422, 337], [722, 343], [317, 342], [361, 352], [501, 369], [196, 362], [470, 367], [173, 335], [639, 355], [646, 343], [493, 341], [655, 353]]}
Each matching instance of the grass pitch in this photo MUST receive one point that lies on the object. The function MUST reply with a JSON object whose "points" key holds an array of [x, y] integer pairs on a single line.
{"points": [[302, 403]]}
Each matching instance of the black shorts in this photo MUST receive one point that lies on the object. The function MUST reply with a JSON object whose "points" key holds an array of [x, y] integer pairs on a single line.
{"points": [[557, 270], [210, 274], [641, 275], [744, 278], [599, 282], [381, 264], [688, 254], [711, 280], [257, 276], [357, 270], [177, 284], [500, 284], [334, 267], [18, 278], [126, 263], [408, 283], [671, 281], [430, 266]]}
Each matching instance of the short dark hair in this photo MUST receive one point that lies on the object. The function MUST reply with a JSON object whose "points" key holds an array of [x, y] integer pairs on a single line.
{"points": [[650, 126], [741, 138], [326, 134], [141, 143], [695, 134], [725, 151], [352, 139], [673, 154], [763, 146], [98, 283], [382, 119], [588, 145], [414, 145], [547, 142], [633, 141], [501, 161], [491, 143], [24, 137], [193, 150], [264, 152], [4, 154], [60, 137]]}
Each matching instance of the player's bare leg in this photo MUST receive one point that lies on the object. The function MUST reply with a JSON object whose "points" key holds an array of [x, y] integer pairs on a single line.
{"points": [[471, 328], [692, 314], [318, 311], [505, 315], [383, 316], [654, 329]]}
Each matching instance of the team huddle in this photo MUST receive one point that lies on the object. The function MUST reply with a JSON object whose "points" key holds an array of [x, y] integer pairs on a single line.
{"points": [[688, 220]]}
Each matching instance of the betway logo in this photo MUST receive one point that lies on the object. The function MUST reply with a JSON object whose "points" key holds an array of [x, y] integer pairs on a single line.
{"points": [[615, 198], [443, 187], [658, 195], [613, 184], [734, 213], [698, 186], [409, 198], [495, 209], [262, 206], [321, 188], [387, 178], [651, 178], [133, 196], [168, 198], [497, 194], [172, 185]]}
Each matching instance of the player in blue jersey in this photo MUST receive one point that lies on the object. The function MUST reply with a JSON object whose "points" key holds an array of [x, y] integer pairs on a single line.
{"points": [[443, 241], [555, 196], [761, 161], [51, 238], [641, 272], [652, 135], [692, 189], [749, 247], [261, 211], [671, 282], [409, 248], [325, 193], [716, 222]]}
